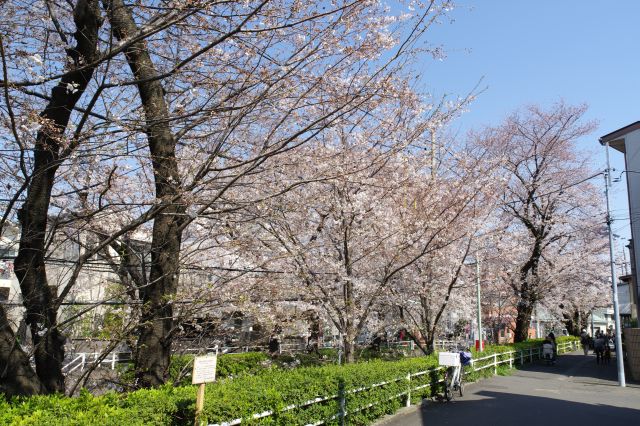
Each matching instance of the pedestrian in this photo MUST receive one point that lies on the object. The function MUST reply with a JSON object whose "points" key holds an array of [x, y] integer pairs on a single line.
{"points": [[547, 350], [607, 351], [598, 347], [584, 341], [552, 337]]}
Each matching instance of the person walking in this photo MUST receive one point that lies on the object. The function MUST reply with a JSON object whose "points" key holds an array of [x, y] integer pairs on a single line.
{"points": [[552, 337], [584, 341], [598, 347]]}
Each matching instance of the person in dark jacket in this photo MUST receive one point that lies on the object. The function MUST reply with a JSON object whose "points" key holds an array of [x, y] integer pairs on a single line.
{"points": [[598, 347]]}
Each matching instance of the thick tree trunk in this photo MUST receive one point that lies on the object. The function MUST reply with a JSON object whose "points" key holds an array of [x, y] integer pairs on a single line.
{"points": [[41, 311], [574, 323], [528, 288], [154, 344], [426, 326], [523, 321], [16, 375]]}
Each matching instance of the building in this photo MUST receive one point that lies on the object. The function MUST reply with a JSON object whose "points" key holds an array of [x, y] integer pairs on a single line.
{"points": [[627, 141], [9, 286], [626, 301]]}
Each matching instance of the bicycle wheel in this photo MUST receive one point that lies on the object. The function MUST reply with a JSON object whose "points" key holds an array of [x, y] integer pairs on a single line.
{"points": [[448, 385]]}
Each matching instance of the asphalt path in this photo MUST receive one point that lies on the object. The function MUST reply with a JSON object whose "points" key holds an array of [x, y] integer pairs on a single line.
{"points": [[574, 391]]}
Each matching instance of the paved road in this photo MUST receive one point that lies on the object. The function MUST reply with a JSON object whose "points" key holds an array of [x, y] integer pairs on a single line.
{"points": [[575, 391]]}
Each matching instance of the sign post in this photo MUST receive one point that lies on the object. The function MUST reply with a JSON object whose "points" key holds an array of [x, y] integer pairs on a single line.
{"points": [[204, 371]]}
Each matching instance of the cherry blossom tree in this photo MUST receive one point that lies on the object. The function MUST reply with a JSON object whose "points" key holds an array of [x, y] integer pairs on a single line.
{"points": [[35, 183], [189, 99], [548, 203], [440, 282], [365, 216]]}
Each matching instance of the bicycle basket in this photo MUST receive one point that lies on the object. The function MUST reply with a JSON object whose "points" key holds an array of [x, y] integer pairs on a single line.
{"points": [[449, 359]]}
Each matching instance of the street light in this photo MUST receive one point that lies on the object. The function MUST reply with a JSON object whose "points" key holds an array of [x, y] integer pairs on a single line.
{"points": [[476, 261]]}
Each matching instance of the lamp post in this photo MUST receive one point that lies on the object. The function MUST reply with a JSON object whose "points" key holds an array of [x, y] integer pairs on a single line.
{"points": [[476, 261], [480, 345]]}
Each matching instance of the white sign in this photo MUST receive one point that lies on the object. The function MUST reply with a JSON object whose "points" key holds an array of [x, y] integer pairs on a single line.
{"points": [[204, 369]]}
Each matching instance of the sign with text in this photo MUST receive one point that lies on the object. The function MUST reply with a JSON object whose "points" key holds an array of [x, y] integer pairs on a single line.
{"points": [[204, 369]]}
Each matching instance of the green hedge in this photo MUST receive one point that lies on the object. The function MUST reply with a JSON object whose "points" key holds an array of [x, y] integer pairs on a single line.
{"points": [[229, 365], [247, 394], [229, 399]]}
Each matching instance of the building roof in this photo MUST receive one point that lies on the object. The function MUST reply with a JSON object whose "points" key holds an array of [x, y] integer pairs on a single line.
{"points": [[616, 138]]}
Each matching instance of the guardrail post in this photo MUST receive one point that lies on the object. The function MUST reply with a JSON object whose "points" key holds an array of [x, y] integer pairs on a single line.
{"points": [[113, 361], [84, 357], [495, 364], [530, 354], [408, 404], [521, 357], [511, 361], [342, 411]]}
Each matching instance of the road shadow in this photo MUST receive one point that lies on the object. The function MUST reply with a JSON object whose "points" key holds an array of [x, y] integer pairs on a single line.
{"points": [[508, 409], [582, 368]]}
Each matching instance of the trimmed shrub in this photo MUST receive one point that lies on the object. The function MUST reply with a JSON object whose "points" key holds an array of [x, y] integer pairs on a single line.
{"points": [[254, 389], [229, 365]]}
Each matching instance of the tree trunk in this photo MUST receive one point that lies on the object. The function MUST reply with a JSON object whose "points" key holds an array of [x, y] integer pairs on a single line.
{"points": [[528, 289], [430, 343], [425, 350], [523, 321], [154, 343], [41, 310], [16, 375], [496, 332], [349, 348]]}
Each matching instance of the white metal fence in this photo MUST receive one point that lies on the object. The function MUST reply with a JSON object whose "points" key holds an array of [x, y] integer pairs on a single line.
{"points": [[80, 360], [477, 364]]}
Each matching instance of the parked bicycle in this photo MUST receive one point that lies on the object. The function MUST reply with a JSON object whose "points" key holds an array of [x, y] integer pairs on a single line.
{"points": [[454, 373]]}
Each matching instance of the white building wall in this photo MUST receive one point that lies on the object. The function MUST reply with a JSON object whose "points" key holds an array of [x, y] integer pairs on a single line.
{"points": [[632, 159]]}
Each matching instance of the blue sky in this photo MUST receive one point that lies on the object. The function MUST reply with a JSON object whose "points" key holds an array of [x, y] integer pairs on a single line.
{"points": [[540, 52]]}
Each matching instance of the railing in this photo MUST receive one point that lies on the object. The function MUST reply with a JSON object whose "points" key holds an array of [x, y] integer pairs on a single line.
{"points": [[493, 360], [301, 347], [82, 359]]}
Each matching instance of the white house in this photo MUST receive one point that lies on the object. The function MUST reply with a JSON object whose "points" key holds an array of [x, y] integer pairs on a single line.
{"points": [[627, 141]]}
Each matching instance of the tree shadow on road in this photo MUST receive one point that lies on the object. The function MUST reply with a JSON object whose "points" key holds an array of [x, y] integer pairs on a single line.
{"points": [[582, 369], [500, 408]]}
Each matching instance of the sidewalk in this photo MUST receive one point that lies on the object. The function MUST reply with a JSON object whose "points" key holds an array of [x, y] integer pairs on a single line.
{"points": [[575, 391]]}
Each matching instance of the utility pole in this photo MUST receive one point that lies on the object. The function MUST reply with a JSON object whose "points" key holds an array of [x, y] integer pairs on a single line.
{"points": [[614, 281], [480, 345]]}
